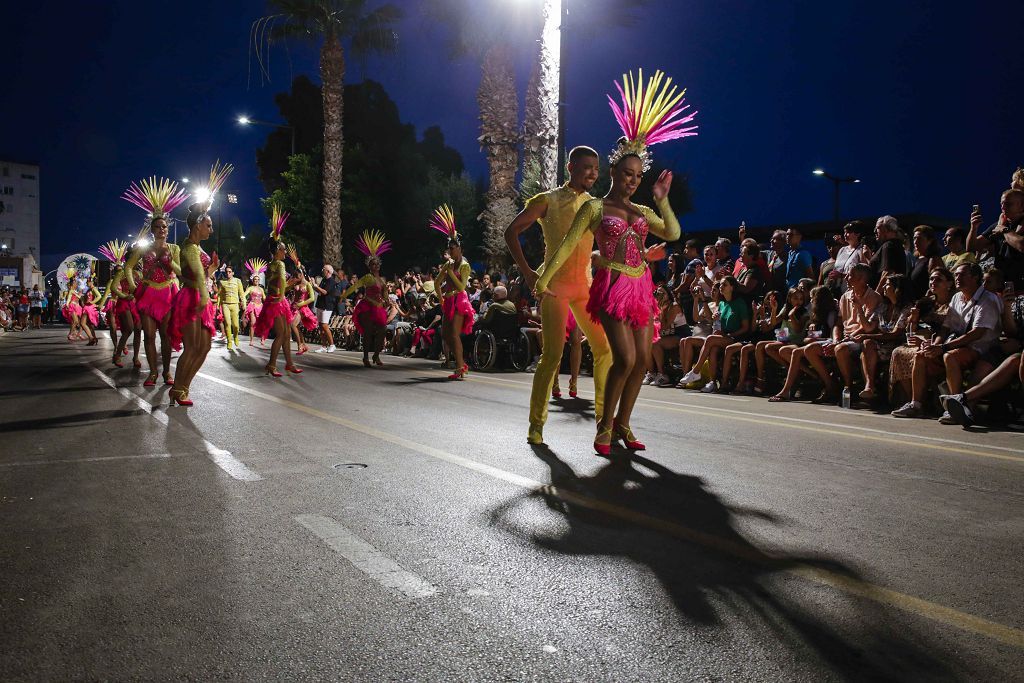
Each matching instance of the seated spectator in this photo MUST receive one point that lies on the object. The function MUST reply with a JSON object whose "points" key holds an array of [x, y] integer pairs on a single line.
{"points": [[827, 266], [889, 258], [798, 260], [787, 326], [927, 259], [723, 251], [529, 321], [733, 323], [682, 274], [969, 331], [705, 311], [709, 272], [893, 322], [670, 328], [499, 306], [926, 318], [955, 240], [426, 336], [858, 314], [751, 282], [822, 328]]}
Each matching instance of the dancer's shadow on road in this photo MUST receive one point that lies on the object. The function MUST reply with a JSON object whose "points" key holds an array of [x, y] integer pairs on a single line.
{"points": [[687, 535]]}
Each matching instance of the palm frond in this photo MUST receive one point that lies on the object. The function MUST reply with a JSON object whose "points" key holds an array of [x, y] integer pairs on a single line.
{"points": [[375, 32]]}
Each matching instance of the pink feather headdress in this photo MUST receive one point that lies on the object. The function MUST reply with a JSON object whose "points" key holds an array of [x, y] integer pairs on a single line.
{"points": [[114, 251], [156, 197], [649, 115], [256, 266], [277, 220], [372, 243], [443, 221]]}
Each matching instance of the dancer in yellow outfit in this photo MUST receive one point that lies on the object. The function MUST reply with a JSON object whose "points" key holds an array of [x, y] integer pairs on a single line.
{"points": [[555, 210], [622, 293], [231, 292]]}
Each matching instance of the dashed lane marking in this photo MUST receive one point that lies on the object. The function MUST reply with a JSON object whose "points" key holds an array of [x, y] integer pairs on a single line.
{"points": [[365, 557], [883, 596], [220, 457]]}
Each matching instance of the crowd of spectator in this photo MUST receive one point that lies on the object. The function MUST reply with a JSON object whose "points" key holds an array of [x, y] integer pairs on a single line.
{"points": [[22, 308]]}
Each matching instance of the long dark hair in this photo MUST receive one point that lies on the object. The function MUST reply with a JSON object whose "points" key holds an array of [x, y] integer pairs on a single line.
{"points": [[823, 302]]}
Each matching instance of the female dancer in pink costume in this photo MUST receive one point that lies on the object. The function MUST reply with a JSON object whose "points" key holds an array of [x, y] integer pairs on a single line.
{"points": [[277, 313], [124, 312], [161, 264], [192, 315], [114, 251], [622, 294], [451, 281], [90, 316], [72, 308], [254, 295], [302, 295], [370, 315]]}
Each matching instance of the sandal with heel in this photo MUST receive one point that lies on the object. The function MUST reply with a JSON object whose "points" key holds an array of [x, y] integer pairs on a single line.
{"points": [[627, 436]]}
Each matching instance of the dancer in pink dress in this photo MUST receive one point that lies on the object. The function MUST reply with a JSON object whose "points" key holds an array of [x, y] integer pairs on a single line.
{"points": [[254, 295], [622, 293], [370, 315], [277, 313], [161, 264], [452, 278]]}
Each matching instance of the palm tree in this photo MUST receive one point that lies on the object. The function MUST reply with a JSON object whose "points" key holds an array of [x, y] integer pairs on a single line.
{"points": [[328, 23]]}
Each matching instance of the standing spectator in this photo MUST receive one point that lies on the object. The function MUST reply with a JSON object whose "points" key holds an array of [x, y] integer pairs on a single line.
{"points": [[1005, 240], [850, 253], [828, 266], [328, 298], [969, 331], [955, 240], [776, 256], [798, 260], [723, 252], [1011, 212], [22, 306], [890, 258], [751, 284], [927, 253], [858, 314], [36, 302]]}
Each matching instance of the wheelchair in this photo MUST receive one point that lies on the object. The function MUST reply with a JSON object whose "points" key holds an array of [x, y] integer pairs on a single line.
{"points": [[501, 345]]}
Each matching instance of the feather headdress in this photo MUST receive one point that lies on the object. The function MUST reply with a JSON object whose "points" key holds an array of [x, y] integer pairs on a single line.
{"points": [[114, 251], [372, 243], [156, 197], [649, 115], [218, 176], [256, 266], [277, 220], [443, 221]]}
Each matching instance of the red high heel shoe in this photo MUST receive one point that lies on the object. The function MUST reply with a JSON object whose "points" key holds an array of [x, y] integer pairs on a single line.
{"points": [[294, 370], [573, 393], [556, 391], [627, 436], [460, 373], [116, 361], [151, 380], [168, 380], [604, 449], [180, 396], [272, 371]]}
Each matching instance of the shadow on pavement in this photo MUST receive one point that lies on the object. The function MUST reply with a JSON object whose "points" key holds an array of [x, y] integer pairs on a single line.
{"points": [[686, 535], [67, 420]]}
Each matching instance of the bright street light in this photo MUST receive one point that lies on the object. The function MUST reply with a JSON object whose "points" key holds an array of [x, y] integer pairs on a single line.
{"points": [[184, 180], [836, 181], [819, 171], [244, 120], [201, 195]]}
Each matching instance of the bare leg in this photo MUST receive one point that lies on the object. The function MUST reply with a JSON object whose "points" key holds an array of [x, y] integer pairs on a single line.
{"points": [[623, 346], [634, 380], [998, 379], [813, 354], [165, 348], [869, 365]]}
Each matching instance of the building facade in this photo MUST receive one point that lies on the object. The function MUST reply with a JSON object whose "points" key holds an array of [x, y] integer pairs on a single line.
{"points": [[19, 219]]}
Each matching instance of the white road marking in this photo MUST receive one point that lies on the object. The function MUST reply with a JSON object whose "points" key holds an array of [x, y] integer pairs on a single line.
{"points": [[365, 557], [221, 458], [100, 458]]}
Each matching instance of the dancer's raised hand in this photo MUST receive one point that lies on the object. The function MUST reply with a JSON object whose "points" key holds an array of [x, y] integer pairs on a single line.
{"points": [[662, 185]]}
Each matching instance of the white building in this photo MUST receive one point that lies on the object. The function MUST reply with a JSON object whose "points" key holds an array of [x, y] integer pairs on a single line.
{"points": [[19, 218]]}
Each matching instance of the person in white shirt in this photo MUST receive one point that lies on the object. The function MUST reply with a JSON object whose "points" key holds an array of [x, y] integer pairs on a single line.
{"points": [[969, 331]]}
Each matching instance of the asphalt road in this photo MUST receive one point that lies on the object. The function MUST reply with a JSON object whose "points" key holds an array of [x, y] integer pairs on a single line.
{"points": [[386, 524]]}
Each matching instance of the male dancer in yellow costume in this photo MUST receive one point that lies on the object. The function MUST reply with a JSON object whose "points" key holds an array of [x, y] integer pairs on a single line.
{"points": [[231, 293], [555, 210]]}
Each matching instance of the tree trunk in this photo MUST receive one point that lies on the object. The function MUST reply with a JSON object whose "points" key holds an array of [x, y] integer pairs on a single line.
{"points": [[499, 118], [542, 100], [332, 74]]}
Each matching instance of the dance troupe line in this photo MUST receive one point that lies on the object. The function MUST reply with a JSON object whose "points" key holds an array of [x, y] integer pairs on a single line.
{"points": [[163, 291]]}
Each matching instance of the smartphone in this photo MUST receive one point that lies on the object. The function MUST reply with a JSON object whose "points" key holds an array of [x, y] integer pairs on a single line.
{"points": [[976, 208]]}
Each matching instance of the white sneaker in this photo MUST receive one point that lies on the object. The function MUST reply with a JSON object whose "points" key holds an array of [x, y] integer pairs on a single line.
{"points": [[532, 367], [322, 349], [710, 388], [649, 378], [332, 348], [662, 380], [947, 419], [690, 377], [909, 409]]}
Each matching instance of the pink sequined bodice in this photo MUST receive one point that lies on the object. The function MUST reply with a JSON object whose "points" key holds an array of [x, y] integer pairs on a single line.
{"points": [[157, 269], [613, 230], [256, 295], [187, 273]]}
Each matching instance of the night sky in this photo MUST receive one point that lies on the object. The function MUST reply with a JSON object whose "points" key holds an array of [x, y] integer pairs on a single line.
{"points": [[922, 103]]}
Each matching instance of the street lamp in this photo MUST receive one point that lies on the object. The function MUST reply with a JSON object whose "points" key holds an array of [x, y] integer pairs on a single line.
{"points": [[185, 180], [837, 181], [246, 121]]}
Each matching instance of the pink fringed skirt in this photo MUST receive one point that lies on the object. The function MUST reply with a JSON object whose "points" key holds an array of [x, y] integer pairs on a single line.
{"points": [[71, 310], [127, 307], [253, 308], [306, 318], [366, 314], [108, 307], [183, 312], [570, 325], [458, 304], [629, 299], [92, 314], [272, 310], [156, 303]]}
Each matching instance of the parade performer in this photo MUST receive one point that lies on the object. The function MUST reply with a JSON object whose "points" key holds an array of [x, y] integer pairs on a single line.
{"points": [[555, 210], [622, 293], [254, 295], [231, 292], [452, 278], [107, 301], [573, 337], [123, 317], [161, 264], [302, 295], [72, 308], [90, 317], [277, 314], [370, 315]]}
